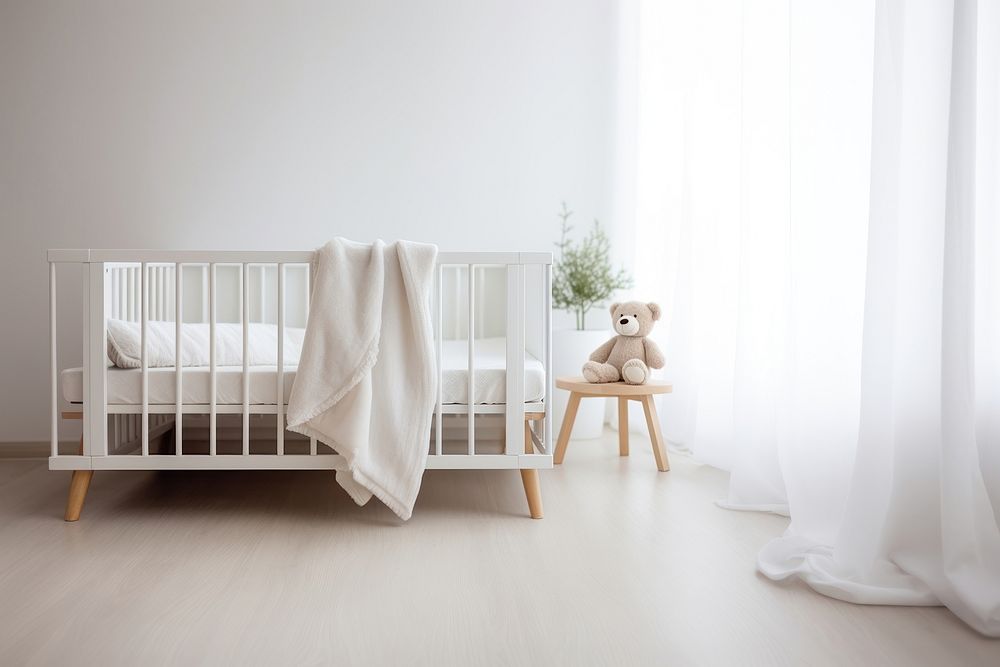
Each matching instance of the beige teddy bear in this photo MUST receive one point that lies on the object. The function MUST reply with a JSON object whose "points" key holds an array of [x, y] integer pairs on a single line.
{"points": [[629, 355]]}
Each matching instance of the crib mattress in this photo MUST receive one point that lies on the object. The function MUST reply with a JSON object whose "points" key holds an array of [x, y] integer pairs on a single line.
{"points": [[124, 385]]}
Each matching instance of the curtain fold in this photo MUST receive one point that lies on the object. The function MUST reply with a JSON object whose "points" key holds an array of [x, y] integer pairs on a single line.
{"points": [[829, 189]]}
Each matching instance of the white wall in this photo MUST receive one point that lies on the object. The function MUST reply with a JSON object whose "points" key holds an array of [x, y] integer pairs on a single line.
{"points": [[281, 124]]}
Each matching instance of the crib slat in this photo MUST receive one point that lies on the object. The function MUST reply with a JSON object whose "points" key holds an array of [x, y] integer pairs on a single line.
{"points": [[547, 318], [280, 396], [472, 359], [211, 361], [171, 301], [95, 397], [305, 295], [115, 294], [161, 293], [204, 294], [114, 291], [143, 359], [168, 307], [245, 321], [126, 287], [133, 295], [123, 299], [262, 294], [515, 360], [439, 330], [178, 361], [313, 445], [455, 321], [53, 363], [481, 298]]}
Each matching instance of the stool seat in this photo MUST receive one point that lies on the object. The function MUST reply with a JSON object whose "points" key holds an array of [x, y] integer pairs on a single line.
{"points": [[579, 388]]}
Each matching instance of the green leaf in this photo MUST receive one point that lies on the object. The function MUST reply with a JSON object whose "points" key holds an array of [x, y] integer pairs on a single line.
{"points": [[582, 276]]}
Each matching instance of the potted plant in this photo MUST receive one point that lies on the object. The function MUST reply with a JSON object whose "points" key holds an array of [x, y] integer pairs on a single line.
{"points": [[582, 278]]}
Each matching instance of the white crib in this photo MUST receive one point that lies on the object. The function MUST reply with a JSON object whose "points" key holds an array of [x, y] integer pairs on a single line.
{"points": [[184, 287]]}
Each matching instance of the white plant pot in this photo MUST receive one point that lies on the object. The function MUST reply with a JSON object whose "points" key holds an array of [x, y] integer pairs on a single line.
{"points": [[570, 350]]}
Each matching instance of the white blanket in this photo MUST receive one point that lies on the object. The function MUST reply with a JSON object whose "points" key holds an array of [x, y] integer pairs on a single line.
{"points": [[366, 378]]}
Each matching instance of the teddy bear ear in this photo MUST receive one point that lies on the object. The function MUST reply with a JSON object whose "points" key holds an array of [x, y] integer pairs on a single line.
{"points": [[654, 309], [614, 307]]}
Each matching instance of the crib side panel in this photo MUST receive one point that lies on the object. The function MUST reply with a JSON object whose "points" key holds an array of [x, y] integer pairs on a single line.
{"points": [[152, 287]]}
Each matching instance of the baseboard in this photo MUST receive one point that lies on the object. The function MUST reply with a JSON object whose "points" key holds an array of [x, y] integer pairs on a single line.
{"points": [[35, 450]]}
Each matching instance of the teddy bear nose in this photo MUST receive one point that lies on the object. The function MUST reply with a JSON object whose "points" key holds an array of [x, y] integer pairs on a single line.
{"points": [[623, 321]]}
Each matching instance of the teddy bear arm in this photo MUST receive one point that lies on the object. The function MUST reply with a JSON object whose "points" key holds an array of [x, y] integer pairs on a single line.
{"points": [[654, 358], [601, 354]]}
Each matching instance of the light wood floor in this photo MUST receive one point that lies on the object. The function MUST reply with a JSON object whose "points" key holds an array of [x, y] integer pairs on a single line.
{"points": [[629, 567]]}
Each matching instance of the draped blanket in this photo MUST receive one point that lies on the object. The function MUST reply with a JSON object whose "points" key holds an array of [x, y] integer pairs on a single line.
{"points": [[365, 384]]}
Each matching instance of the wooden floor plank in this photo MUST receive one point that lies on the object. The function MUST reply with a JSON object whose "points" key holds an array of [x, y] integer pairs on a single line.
{"points": [[630, 566]]}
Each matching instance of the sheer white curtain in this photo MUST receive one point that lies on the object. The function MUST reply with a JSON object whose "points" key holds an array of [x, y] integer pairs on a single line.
{"points": [[818, 206]]}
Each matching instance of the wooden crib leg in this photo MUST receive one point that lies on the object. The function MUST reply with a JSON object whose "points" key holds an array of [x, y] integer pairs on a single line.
{"points": [[78, 486], [533, 491], [529, 477]]}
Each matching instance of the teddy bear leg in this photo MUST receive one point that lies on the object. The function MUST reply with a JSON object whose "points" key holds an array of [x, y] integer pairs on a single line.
{"points": [[596, 373], [635, 372]]}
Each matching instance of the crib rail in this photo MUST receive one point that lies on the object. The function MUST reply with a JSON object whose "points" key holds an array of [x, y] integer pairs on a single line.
{"points": [[149, 286]]}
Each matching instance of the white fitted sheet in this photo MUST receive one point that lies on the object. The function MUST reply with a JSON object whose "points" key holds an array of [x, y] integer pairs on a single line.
{"points": [[491, 373], [490, 380]]}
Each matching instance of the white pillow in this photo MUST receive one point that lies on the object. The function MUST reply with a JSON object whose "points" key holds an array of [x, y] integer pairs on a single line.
{"points": [[124, 344]]}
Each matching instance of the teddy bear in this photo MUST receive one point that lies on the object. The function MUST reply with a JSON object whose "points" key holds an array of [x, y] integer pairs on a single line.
{"points": [[629, 355]]}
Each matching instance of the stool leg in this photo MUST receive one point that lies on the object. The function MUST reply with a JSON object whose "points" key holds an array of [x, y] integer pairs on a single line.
{"points": [[655, 437], [567, 427], [622, 426]]}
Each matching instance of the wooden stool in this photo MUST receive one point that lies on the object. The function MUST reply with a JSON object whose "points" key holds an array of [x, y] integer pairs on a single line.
{"points": [[580, 388]]}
